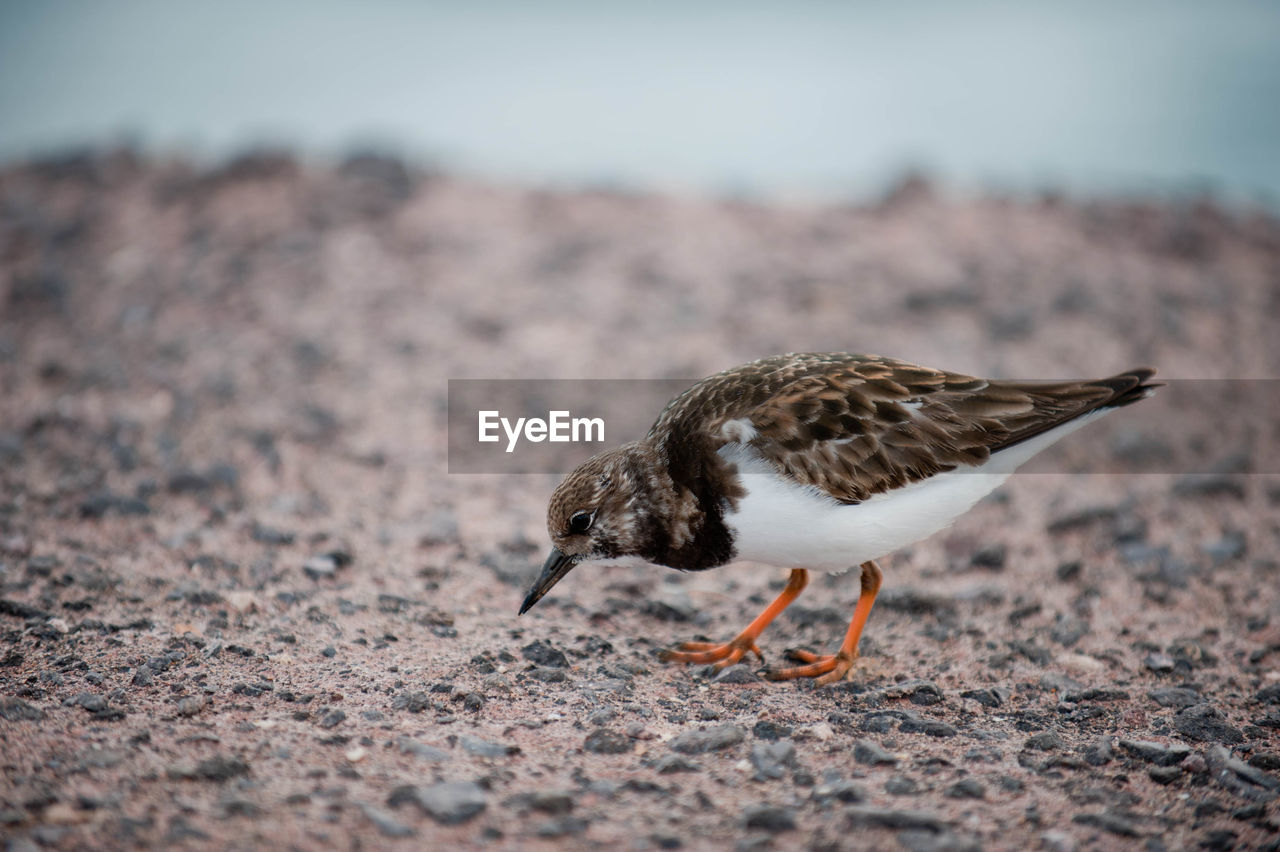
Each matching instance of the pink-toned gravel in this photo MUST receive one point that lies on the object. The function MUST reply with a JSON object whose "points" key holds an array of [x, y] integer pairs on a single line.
{"points": [[259, 355]]}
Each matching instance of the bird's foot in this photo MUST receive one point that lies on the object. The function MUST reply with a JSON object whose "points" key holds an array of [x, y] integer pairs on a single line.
{"points": [[827, 668], [722, 655]]}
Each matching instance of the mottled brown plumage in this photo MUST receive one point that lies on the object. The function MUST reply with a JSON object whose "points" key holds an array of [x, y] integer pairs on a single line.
{"points": [[820, 431], [837, 421]]}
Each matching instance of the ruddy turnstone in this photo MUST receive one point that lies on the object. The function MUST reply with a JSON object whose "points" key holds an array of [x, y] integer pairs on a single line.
{"points": [[810, 461]]}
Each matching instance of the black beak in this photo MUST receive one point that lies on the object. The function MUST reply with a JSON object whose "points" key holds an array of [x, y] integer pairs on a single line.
{"points": [[556, 566]]}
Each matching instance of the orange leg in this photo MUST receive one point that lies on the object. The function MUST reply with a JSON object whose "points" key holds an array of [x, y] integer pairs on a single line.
{"points": [[830, 668], [732, 651]]}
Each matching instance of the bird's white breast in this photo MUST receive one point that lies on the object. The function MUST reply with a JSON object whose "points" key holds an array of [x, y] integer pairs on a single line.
{"points": [[783, 523]]}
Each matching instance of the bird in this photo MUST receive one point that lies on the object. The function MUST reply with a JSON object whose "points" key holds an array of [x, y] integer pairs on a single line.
{"points": [[810, 461]]}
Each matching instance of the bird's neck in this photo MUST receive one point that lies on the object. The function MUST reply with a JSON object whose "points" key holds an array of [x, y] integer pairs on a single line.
{"points": [[683, 525]]}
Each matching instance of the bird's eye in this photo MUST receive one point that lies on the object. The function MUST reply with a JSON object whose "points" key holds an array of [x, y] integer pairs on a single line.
{"points": [[580, 522]]}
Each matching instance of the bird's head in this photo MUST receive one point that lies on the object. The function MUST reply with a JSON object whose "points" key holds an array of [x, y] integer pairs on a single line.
{"points": [[603, 510]]}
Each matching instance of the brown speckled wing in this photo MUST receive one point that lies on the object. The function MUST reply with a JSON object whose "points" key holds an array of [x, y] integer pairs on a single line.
{"points": [[858, 425]]}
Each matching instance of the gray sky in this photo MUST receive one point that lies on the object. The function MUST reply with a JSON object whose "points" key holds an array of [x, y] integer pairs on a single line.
{"points": [[818, 98]]}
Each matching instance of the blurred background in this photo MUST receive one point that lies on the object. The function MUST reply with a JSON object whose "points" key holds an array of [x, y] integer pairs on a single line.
{"points": [[744, 98]]}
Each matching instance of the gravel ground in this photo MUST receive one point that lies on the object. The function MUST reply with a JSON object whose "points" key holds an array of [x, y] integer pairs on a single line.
{"points": [[242, 604]]}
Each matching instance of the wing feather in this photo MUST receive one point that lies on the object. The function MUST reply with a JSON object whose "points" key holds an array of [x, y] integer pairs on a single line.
{"points": [[859, 425]]}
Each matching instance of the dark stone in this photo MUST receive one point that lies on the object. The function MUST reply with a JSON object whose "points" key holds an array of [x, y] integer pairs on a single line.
{"points": [[544, 654], [1025, 611], [966, 788], [332, 719], [1164, 774], [414, 702], [1100, 753], [449, 802], [325, 565], [17, 609], [108, 714], [1128, 528], [878, 723], [925, 693], [987, 697], [1096, 694], [670, 604], [241, 808], [408, 745], [1239, 777], [1011, 325], [771, 818], [767, 730], [711, 739], [1157, 753], [1219, 840], [1268, 694], [563, 826], [1205, 723], [548, 675], [484, 748], [252, 690], [555, 802], [1113, 823], [320, 567], [1032, 651], [1081, 518], [1191, 654], [840, 789], [1174, 696], [510, 569], [386, 824], [877, 817], [901, 785], [872, 754], [669, 764], [639, 785], [221, 768], [16, 710], [1045, 741], [188, 482], [602, 716], [912, 601], [106, 503], [1067, 630], [772, 760], [90, 701], [740, 674], [991, 556], [1210, 485], [1231, 546], [1170, 571], [1010, 784], [440, 528], [1250, 812], [605, 741], [932, 727]]}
